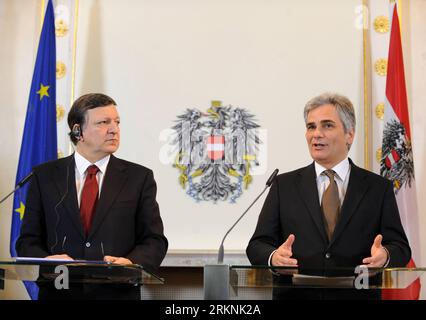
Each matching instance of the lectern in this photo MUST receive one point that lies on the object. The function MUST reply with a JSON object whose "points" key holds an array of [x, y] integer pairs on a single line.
{"points": [[80, 271], [221, 281]]}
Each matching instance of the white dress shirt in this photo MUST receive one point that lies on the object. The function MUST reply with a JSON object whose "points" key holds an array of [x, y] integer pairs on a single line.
{"points": [[342, 172], [81, 165]]}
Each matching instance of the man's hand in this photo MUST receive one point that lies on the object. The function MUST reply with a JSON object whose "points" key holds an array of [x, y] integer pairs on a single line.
{"points": [[60, 257], [117, 260], [282, 257], [379, 255]]}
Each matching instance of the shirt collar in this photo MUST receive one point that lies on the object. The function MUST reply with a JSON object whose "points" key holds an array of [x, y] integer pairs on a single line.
{"points": [[342, 169], [82, 163]]}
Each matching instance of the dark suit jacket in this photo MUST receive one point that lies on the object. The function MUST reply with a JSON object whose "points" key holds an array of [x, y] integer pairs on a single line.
{"points": [[127, 221], [293, 207]]}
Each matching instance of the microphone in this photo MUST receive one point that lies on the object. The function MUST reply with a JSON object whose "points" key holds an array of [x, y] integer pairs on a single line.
{"points": [[19, 185], [268, 184], [56, 209]]}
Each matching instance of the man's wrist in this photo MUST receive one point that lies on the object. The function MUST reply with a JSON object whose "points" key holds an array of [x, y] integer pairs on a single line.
{"points": [[270, 258], [270, 264], [388, 257]]}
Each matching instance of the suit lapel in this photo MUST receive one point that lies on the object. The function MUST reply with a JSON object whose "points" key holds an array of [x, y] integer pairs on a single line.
{"points": [[65, 183], [354, 194], [114, 180], [308, 191]]}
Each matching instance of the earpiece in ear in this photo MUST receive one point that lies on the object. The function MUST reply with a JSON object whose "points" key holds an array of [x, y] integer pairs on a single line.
{"points": [[76, 131]]}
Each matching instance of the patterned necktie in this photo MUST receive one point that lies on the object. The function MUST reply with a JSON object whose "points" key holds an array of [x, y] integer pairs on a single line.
{"points": [[89, 198], [330, 204]]}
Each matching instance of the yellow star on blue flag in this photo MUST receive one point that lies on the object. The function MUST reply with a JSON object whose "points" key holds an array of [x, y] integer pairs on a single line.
{"points": [[43, 92], [21, 210]]}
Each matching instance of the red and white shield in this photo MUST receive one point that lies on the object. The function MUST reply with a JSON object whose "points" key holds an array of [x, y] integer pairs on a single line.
{"points": [[392, 158], [216, 147]]}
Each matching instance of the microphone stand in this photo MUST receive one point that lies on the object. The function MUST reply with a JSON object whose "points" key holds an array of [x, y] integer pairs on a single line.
{"points": [[221, 248], [19, 185], [268, 184], [217, 277]]}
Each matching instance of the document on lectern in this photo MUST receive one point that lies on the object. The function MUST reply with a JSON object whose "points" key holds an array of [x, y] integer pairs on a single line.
{"points": [[321, 281], [32, 260]]}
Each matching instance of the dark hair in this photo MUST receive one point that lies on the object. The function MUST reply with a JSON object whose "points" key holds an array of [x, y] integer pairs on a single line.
{"points": [[78, 112]]}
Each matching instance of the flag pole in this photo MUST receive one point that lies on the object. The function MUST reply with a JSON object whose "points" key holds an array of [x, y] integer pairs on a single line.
{"points": [[367, 74], [74, 50], [43, 8]]}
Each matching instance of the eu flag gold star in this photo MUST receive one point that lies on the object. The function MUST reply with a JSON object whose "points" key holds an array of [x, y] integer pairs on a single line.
{"points": [[21, 210], [43, 91]]}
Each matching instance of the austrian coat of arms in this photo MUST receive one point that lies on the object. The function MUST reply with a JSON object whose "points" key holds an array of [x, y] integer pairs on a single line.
{"points": [[397, 155], [215, 151]]}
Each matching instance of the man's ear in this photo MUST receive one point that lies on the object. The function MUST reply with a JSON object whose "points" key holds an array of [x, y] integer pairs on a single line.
{"points": [[350, 135]]}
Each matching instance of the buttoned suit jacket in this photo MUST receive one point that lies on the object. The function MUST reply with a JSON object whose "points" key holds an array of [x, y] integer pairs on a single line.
{"points": [[293, 207], [126, 223]]}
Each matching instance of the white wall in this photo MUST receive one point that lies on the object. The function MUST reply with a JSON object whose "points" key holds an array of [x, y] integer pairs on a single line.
{"points": [[156, 58]]}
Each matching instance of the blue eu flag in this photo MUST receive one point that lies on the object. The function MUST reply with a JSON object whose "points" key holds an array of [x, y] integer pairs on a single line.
{"points": [[39, 141]]}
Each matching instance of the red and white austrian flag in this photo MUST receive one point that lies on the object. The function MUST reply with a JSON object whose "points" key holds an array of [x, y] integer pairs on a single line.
{"points": [[216, 147], [397, 163]]}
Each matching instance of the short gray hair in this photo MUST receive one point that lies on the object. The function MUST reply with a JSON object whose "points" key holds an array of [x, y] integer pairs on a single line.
{"points": [[343, 105]]}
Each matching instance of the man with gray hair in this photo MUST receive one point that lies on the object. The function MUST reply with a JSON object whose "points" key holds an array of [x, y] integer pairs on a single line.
{"points": [[330, 214]]}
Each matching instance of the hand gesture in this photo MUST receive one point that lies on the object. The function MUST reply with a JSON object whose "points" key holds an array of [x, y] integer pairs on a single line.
{"points": [[379, 255], [282, 257]]}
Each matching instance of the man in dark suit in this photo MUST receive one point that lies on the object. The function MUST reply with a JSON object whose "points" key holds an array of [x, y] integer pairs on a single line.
{"points": [[330, 214], [93, 206]]}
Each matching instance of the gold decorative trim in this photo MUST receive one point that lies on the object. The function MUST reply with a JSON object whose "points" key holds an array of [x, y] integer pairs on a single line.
{"points": [[216, 103], [74, 49], [380, 111], [74, 52], [367, 78], [60, 112], [381, 67], [61, 69], [379, 155], [60, 154], [381, 24], [400, 16], [43, 8], [61, 28]]}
